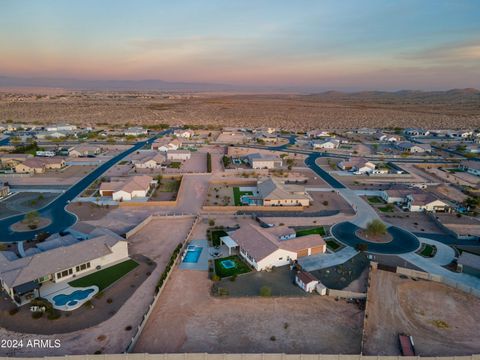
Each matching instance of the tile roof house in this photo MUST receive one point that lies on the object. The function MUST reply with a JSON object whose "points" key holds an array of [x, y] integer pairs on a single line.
{"points": [[306, 281], [472, 167], [148, 160], [23, 279], [410, 147], [262, 161], [84, 150], [166, 144], [272, 192], [135, 187], [358, 165], [38, 165], [264, 248], [425, 201]]}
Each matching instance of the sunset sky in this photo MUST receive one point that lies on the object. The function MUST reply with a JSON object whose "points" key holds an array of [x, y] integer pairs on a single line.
{"points": [[348, 44]]}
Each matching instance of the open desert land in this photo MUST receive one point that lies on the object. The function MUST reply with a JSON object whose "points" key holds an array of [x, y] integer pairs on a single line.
{"points": [[441, 319], [188, 319], [327, 110]]}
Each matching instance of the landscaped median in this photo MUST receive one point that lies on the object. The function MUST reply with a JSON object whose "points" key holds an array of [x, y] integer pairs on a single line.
{"points": [[105, 277]]}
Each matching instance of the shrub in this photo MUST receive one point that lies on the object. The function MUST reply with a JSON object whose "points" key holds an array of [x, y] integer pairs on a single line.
{"points": [[215, 278], [273, 338], [13, 311], [376, 227], [128, 328], [37, 315]]}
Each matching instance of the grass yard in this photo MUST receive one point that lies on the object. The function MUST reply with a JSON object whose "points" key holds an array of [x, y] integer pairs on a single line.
{"points": [[215, 236], [237, 194], [333, 245], [240, 267], [374, 200], [428, 250], [106, 277], [387, 208], [318, 230]]}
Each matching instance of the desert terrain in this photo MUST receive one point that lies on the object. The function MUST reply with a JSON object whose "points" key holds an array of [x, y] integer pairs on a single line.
{"points": [[439, 318], [458, 108]]}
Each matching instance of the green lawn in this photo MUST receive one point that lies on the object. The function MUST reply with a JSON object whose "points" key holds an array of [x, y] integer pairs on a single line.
{"points": [[240, 267], [318, 230], [105, 277], [386, 209], [215, 236], [428, 250], [333, 245], [375, 200], [237, 194]]}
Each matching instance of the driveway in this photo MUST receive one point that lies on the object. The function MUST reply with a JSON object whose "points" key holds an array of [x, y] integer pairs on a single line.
{"points": [[321, 261]]}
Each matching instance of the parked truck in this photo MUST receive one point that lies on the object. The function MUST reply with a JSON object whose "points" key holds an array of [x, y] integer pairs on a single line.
{"points": [[407, 347]]}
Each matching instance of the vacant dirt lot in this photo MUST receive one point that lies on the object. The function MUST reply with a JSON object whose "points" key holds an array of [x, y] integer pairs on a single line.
{"points": [[188, 319], [441, 320]]}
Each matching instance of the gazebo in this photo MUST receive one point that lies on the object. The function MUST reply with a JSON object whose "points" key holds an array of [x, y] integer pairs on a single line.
{"points": [[230, 243]]}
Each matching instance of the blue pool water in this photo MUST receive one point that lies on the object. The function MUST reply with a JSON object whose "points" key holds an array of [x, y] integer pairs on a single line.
{"points": [[192, 254], [228, 264], [245, 199], [73, 298]]}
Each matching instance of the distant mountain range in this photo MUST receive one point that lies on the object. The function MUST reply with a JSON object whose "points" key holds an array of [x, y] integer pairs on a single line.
{"points": [[114, 85], [161, 85]]}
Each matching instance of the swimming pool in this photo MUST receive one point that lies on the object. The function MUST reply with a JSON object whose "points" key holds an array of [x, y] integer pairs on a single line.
{"points": [[228, 264], [72, 299], [246, 199], [193, 254]]}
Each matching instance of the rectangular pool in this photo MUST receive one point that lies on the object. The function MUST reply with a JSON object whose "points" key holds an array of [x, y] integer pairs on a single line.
{"points": [[193, 254]]}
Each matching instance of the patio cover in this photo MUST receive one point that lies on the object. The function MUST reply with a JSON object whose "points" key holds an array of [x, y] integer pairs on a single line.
{"points": [[229, 242]]}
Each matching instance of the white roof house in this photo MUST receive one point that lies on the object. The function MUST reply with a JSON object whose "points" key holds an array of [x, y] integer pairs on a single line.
{"points": [[410, 147], [148, 160], [184, 133], [135, 187], [325, 144], [135, 131], [425, 201]]}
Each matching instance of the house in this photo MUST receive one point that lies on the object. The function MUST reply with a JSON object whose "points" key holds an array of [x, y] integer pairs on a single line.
{"points": [[266, 137], [397, 194], [410, 147], [24, 279], [325, 144], [41, 135], [416, 132], [149, 160], [425, 201], [469, 263], [263, 249], [178, 155], [46, 153], [39, 165], [472, 167], [380, 136], [165, 144], [60, 127], [11, 160], [462, 134], [318, 134], [357, 165], [306, 281], [271, 192], [135, 131], [184, 133], [84, 150], [262, 161], [4, 190], [135, 187]]}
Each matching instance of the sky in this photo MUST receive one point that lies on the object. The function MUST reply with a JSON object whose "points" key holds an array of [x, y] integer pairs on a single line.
{"points": [[325, 44]]}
